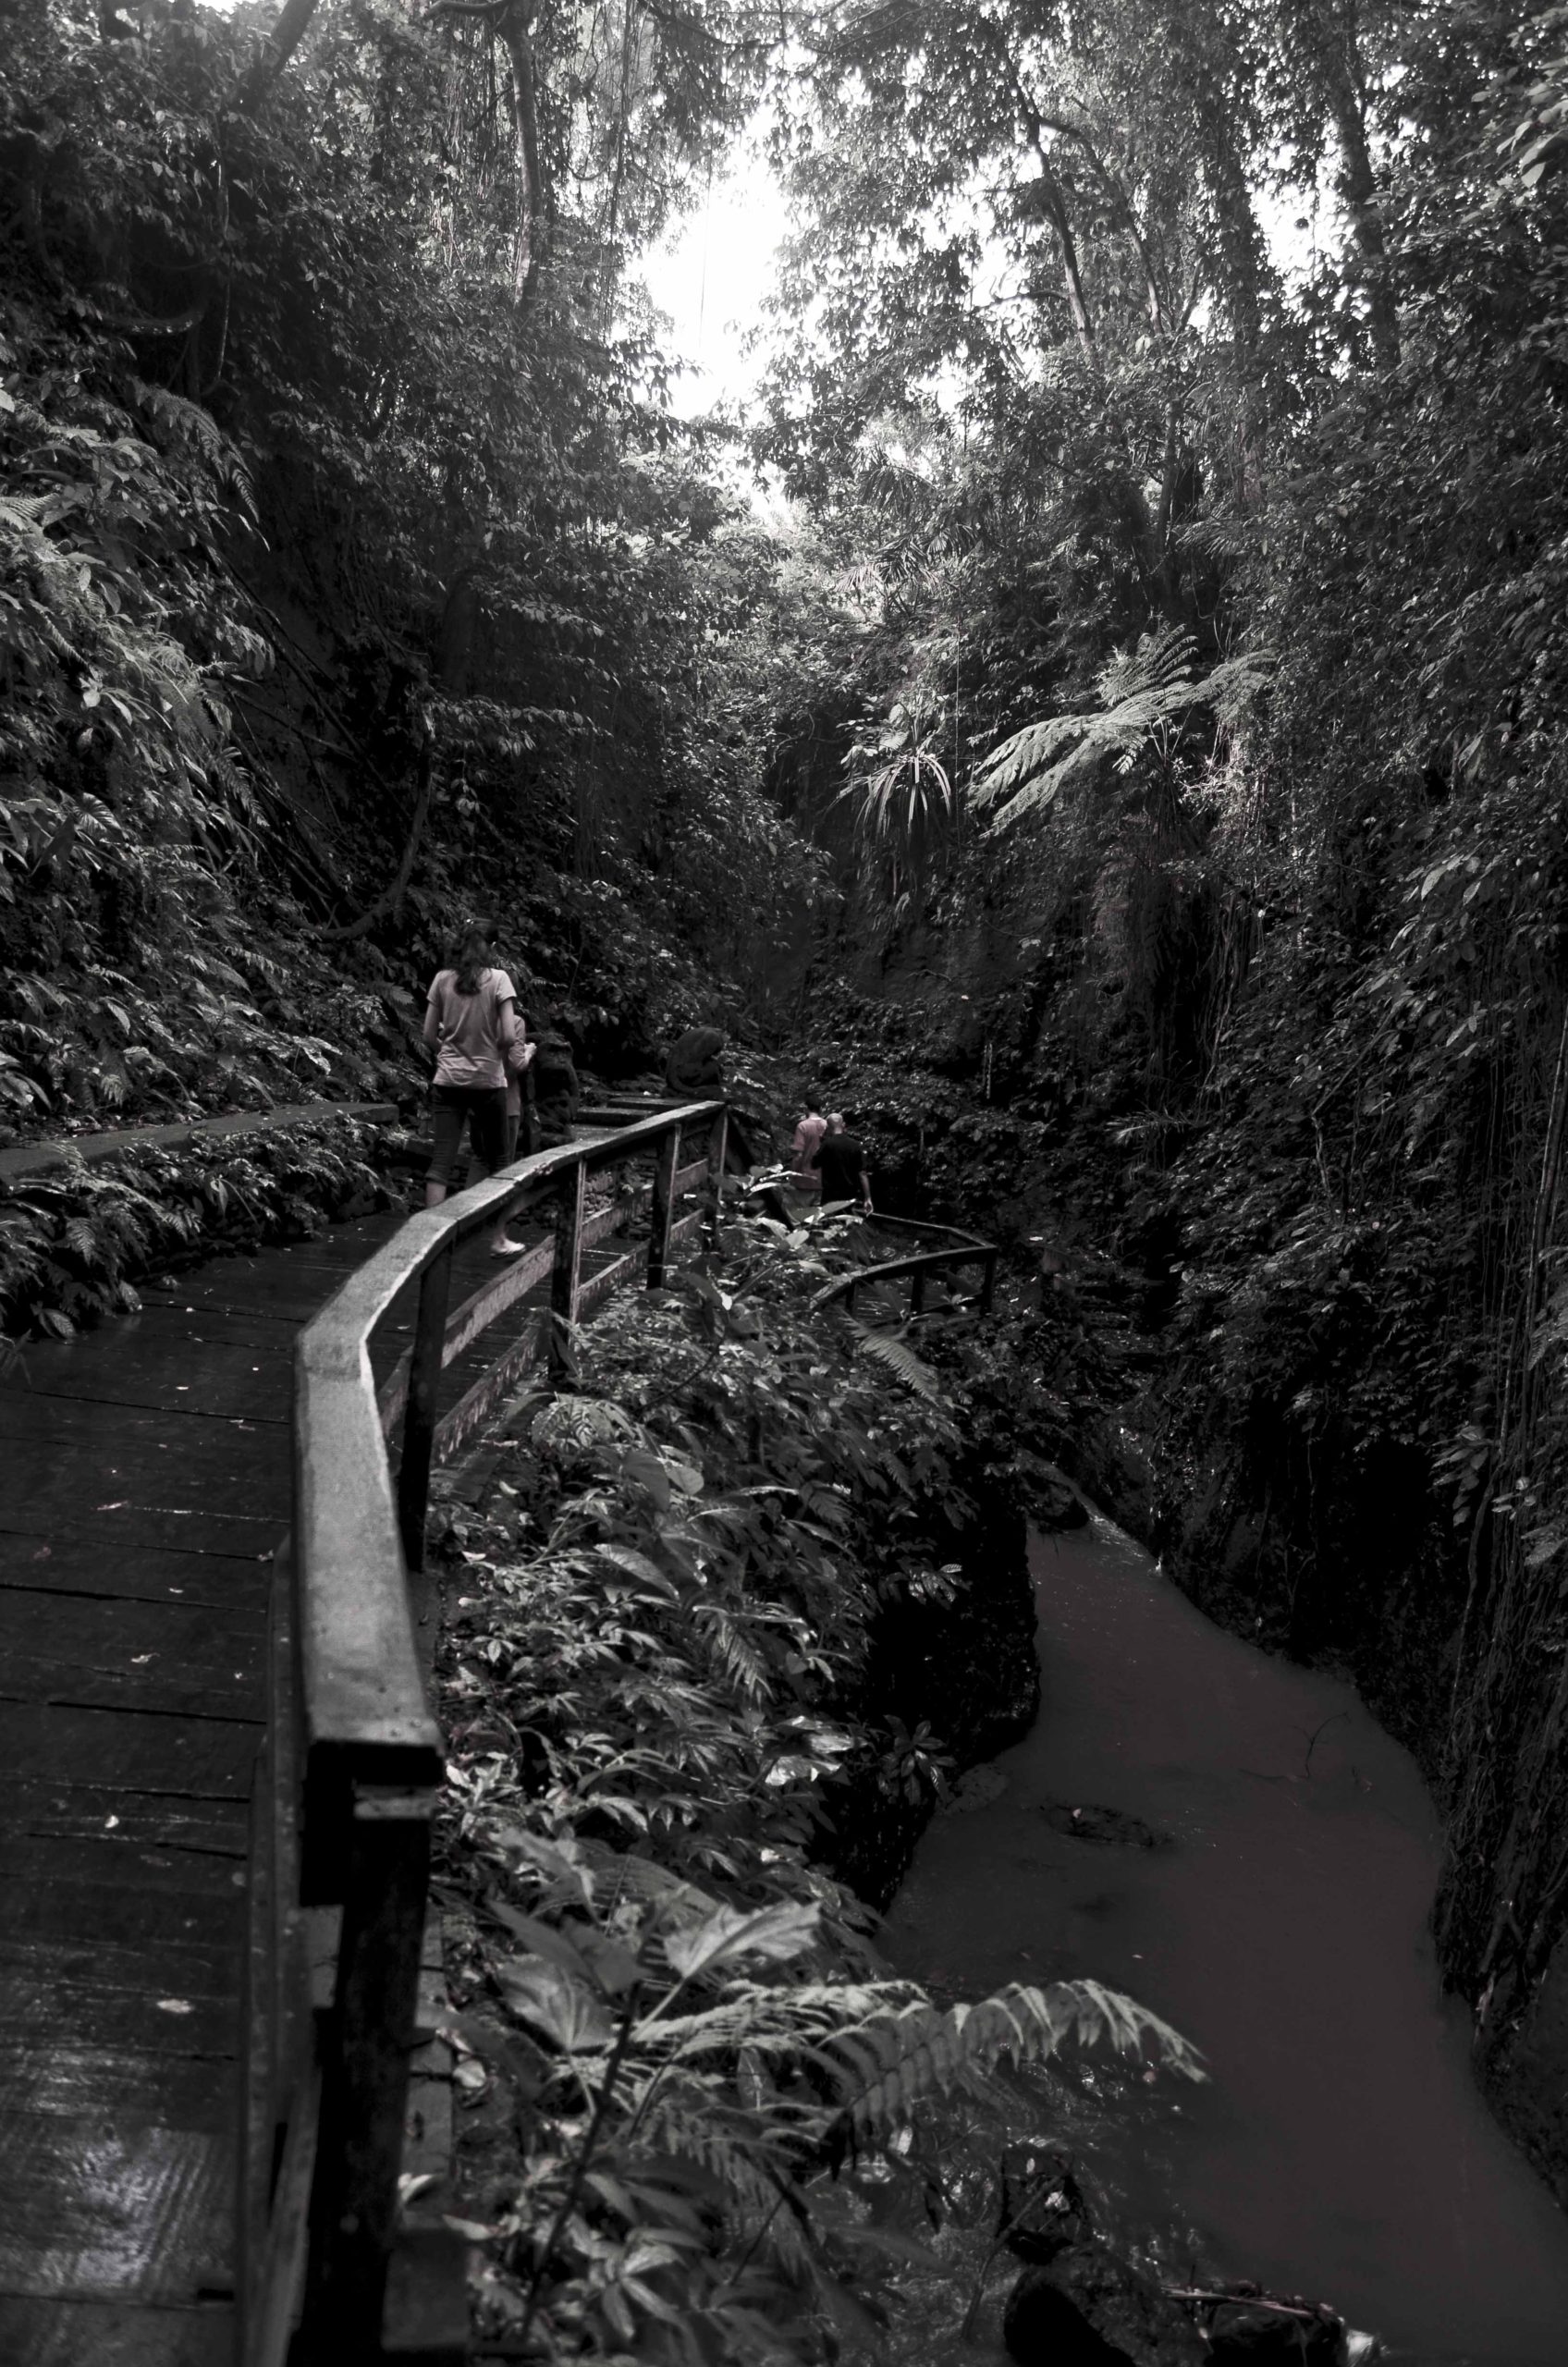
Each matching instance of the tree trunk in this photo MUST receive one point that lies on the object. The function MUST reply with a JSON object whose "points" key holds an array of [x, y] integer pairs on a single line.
{"points": [[516, 33], [293, 23]]}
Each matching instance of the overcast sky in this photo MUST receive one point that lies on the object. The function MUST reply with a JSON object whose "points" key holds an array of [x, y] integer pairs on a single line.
{"points": [[711, 277]]}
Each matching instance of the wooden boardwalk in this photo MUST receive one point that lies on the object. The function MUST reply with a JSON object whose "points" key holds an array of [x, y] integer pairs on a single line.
{"points": [[144, 1482], [144, 1474]]}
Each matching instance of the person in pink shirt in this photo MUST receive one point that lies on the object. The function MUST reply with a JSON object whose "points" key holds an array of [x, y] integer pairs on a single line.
{"points": [[803, 1150], [471, 1024]]}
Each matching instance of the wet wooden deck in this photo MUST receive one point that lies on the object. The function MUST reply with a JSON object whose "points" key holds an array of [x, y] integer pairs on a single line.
{"points": [[144, 1474], [145, 1484]]}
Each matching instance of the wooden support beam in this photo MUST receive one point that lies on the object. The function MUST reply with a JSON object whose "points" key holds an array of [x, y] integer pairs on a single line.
{"points": [[419, 1415], [664, 1206], [367, 2042], [566, 1274], [719, 1140]]}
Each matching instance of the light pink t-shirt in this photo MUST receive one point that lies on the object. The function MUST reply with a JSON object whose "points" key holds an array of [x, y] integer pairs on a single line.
{"points": [[808, 1133], [470, 1045]]}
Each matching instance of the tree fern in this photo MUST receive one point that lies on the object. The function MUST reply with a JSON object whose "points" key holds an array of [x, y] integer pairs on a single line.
{"points": [[1143, 693]]}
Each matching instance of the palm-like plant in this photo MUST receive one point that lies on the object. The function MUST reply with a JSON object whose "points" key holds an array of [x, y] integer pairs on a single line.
{"points": [[899, 787], [902, 799]]}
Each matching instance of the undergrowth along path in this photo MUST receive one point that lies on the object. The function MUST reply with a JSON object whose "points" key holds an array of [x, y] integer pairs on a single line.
{"points": [[58, 1150]]}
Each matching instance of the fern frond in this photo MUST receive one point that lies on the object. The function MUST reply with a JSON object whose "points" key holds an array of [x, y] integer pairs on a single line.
{"points": [[886, 2068], [189, 424], [625, 1875], [899, 1358], [1159, 662], [1139, 690]]}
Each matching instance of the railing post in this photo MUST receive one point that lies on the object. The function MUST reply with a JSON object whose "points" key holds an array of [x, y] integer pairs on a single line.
{"points": [[663, 1211], [565, 1274], [418, 1414], [849, 1297], [719, 1144], [988, 1281], [366, 2047], [917, 1290]]}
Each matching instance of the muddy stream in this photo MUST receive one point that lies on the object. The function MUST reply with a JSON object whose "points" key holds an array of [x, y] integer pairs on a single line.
{"points": [[1340, 2149]]}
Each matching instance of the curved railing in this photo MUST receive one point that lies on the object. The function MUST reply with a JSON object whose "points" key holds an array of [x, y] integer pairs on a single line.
{"points": [[344, 1801], [968, 1250]]}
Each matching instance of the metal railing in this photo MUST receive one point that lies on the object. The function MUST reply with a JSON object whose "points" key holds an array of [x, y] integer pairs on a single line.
{"points": [[968, 1250], [345, 1796]]}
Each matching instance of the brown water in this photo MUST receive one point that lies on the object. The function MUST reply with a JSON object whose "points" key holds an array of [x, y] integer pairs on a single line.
{"points": [[1340, 2148]]}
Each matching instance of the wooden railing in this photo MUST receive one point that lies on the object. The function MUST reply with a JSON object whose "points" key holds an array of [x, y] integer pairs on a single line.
{"points": [[967, 1249], [346, 1784]]}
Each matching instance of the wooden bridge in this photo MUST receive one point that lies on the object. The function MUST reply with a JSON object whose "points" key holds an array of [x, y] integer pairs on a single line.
{"points": [[220, 1764]]}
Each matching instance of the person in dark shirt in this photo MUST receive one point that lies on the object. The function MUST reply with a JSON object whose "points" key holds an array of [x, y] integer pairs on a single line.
{"points": [[693, 1064], [839, 1160], [555, 1087]]}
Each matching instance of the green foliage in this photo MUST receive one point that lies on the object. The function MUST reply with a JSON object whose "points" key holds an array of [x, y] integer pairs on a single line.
{"points": [[901, 1358], [339, 569], [73, 1240], [1147, 697], [712, 2097]]}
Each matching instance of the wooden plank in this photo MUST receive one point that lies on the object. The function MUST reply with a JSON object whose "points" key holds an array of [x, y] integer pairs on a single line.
{"points": [[98, 2334], [151, 2218], [63, 1484], [341, 1247], [52, 2017], [687, 1179], [26, 1414], [598, 1287], [118, 1526], [195, 1757], [235, 1387], [251, 1291], [53, 1978], [108, 1861], [214, 1829], [130, 1913], [165, 1358], [484, 1307], [119, 2083], [164, 1654], [242, 1466], [104, 1571], [602, 1222], [130, 1666], [502, 1291], [685, 1227], [463, 1419]]}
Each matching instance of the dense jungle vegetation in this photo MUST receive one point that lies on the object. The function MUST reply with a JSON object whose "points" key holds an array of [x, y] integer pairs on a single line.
{"points": [[690, 1616], [1133, 780]]}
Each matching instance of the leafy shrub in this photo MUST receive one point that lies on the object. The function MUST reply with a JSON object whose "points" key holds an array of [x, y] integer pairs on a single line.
{"points": [[73, 1238], [701, 2090]]}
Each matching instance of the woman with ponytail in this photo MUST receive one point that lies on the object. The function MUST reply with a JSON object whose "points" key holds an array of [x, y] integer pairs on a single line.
{"points": [[471, 1024]]}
